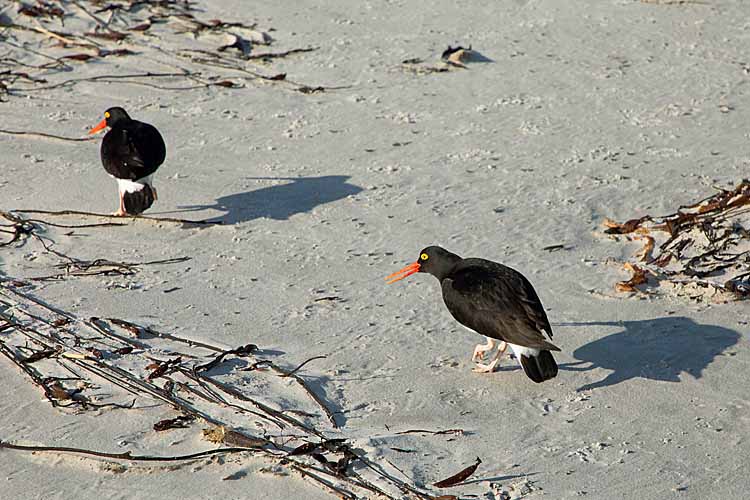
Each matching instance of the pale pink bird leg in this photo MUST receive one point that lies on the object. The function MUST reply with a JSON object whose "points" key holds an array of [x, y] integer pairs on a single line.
{"points": [[489, 368], [121, 210]]}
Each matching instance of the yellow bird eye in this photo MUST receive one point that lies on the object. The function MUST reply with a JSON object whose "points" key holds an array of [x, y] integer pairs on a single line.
{"points": [[106, 114], [424, 256]]}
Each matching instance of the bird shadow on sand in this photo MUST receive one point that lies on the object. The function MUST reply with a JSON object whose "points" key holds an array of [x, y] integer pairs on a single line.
{"points": [[657, 349], [281, 201]]}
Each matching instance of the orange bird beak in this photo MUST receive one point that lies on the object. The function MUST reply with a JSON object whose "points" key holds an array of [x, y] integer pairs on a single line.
{"points": [[403, 273], [101, 126]]}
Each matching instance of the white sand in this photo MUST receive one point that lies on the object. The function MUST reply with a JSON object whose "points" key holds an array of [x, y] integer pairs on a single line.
{"points": [[590, 110]]}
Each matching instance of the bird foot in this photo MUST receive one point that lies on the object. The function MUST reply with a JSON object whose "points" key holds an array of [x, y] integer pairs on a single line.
{"points": [[480, 349], [482, 368], [478, 353], [119, 213]]}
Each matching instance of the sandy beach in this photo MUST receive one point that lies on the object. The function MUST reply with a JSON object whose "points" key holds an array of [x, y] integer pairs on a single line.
{"points": [[336, 174]]}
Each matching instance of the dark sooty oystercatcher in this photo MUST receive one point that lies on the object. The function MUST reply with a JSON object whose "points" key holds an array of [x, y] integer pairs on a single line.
{"points": [[131, 152], [495, 301]]}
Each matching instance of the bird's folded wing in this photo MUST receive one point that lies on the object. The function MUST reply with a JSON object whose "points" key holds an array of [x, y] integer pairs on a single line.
{"points": [[127, 150], [498, 303]]}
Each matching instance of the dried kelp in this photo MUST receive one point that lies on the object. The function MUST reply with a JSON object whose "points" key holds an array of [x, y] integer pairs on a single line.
{"points": [[242, 351], [111, 217], [20, 229], [701, 251], [638, 277], [122, 456], [72, 359], [459, 476], [173, 423], [55, 39]]}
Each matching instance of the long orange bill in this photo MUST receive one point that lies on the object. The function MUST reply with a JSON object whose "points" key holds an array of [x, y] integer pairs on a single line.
{"points": [[403, 273], [101, 126]]}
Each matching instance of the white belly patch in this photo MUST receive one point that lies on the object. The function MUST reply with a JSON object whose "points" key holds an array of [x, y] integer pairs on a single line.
{"points": [[526, 351], [128, 186]]}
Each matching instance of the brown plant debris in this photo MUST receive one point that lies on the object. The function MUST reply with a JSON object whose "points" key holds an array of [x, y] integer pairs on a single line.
{"points": [[46, 136], [644, 255], [702, 250], [436, 433], [115, 217], [162, 368], [21, 229], [161, 30], [626, 227], [638, 278], [222, 435], [459, 476], [41, 9], [242, 351], [173, 423], [121, 456], [83, 364]]}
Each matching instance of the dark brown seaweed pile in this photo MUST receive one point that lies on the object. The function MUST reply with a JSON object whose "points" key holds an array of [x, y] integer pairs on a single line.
{"points": [[702, 250]]}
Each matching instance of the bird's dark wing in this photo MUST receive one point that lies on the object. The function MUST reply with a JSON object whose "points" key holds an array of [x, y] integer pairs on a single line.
{"points": [[133, 152], [498, 302]]}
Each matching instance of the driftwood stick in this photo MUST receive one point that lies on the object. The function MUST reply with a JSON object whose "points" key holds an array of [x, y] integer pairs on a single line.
{"points": [[242, 351], [340, 492], [94, 323], [64, 38], [133, 328], [436, 433], [72, 81], [28, 370], [218, 399], [289, 374], [265, 408], [77, 226], [308, 390], [110, 216], [124, 456], [46, 136], [275, 55]]}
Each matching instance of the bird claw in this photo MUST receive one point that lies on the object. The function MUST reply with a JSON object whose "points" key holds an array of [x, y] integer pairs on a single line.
{"points": [[482, 368], [481, 349], [119, 213], [479, 352]]}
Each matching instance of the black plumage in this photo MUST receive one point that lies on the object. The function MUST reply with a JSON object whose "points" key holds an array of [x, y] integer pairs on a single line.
{"points": [[131, 151], [496, 301]]}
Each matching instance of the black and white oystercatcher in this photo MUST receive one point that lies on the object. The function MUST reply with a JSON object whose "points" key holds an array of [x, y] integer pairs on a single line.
{"points": [[495, 301], [131, 152]]}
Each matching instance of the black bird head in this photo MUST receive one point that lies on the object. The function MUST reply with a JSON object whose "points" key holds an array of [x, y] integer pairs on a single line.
{"points": [[112, 117], [435, 260]]}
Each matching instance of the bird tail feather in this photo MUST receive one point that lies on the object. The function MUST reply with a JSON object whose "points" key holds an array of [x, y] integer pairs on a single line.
{"points": [[539, 367], [137, 202]]}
